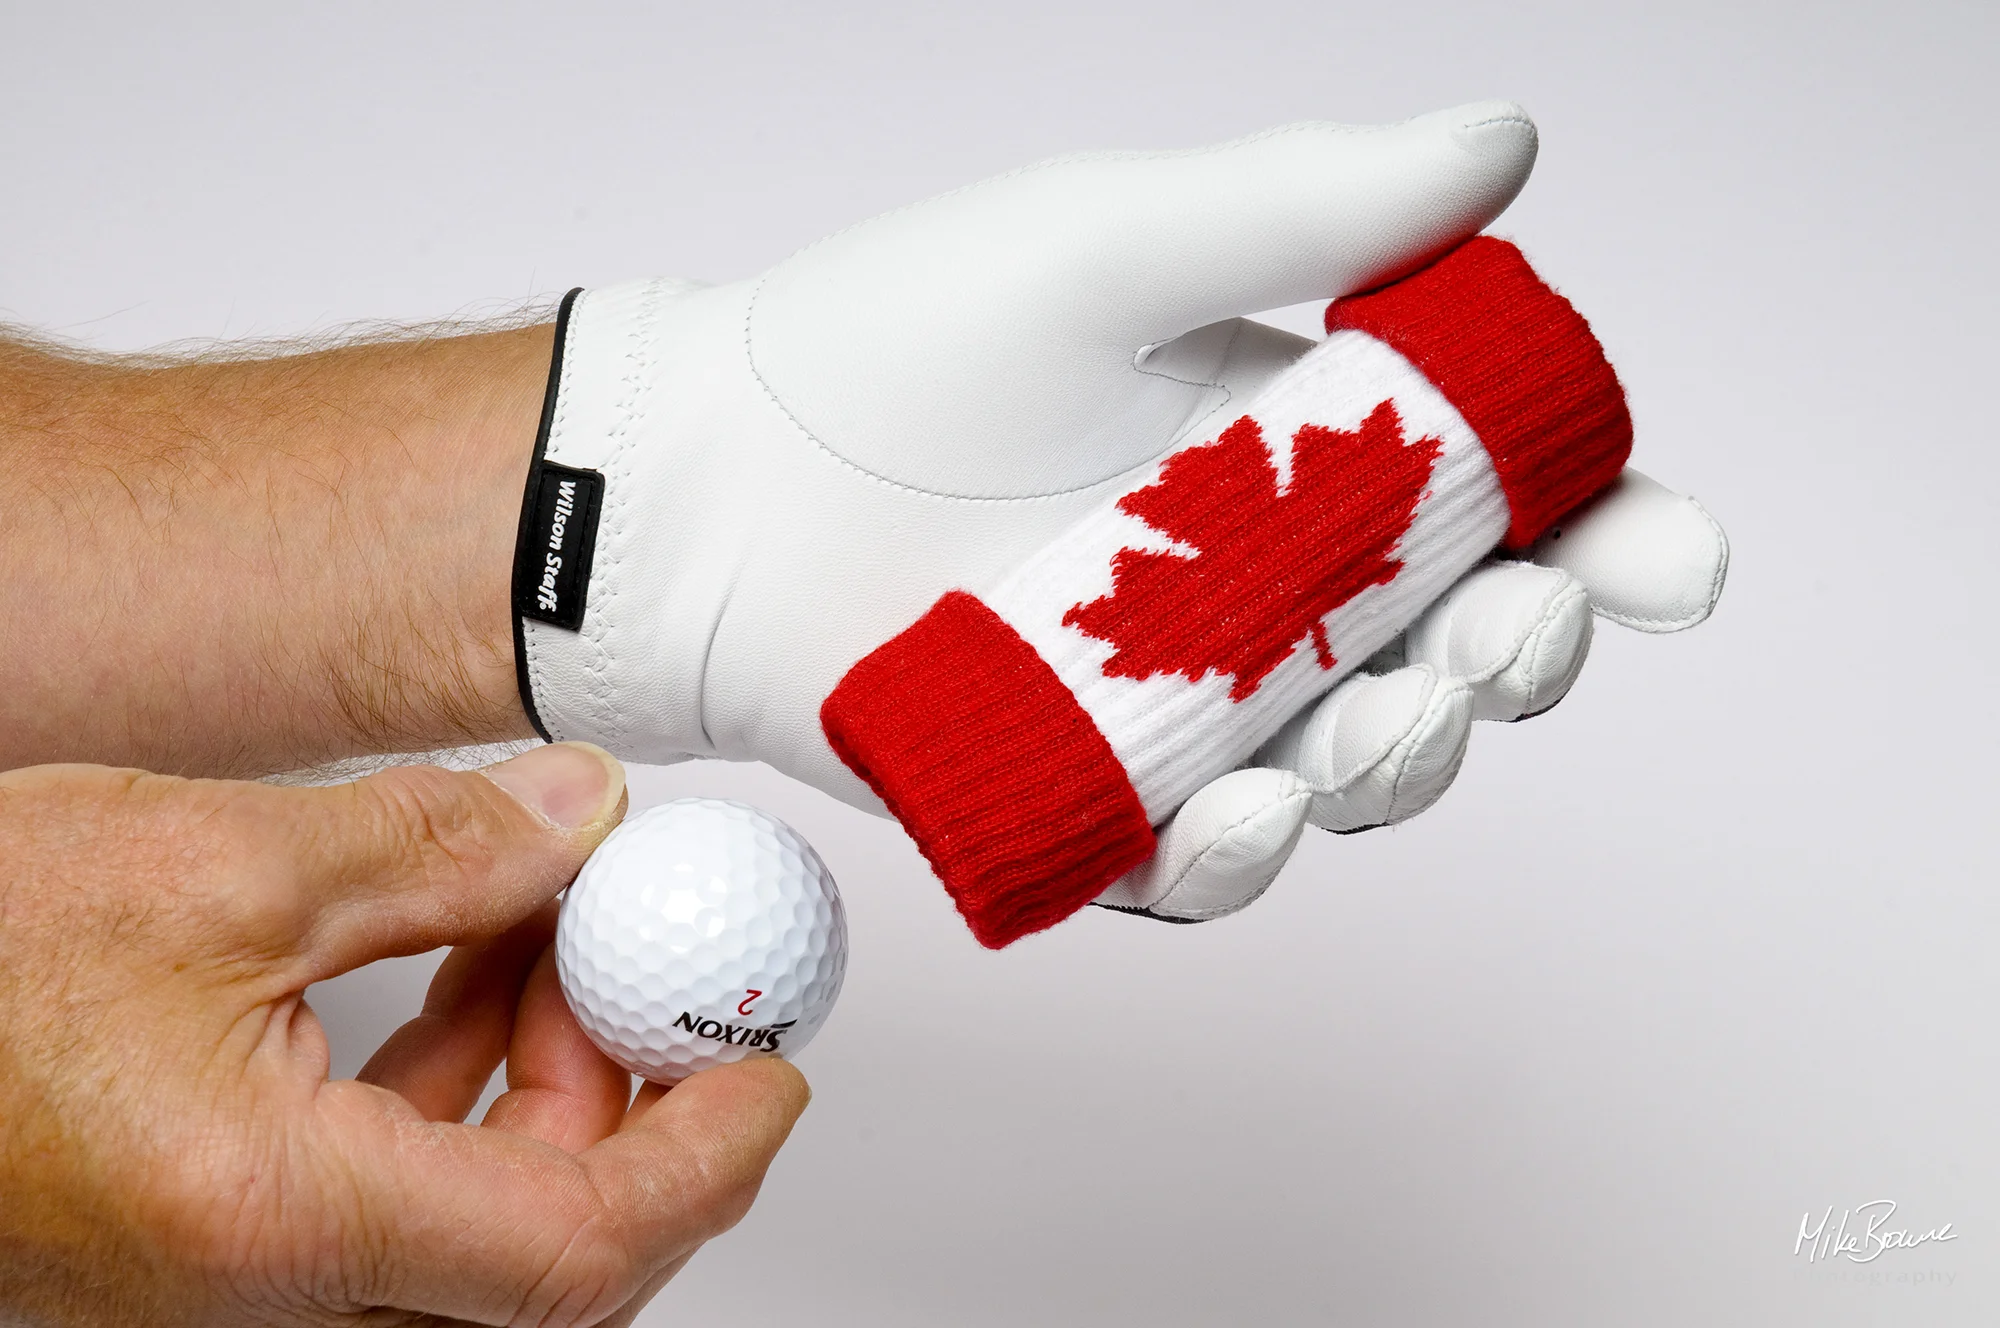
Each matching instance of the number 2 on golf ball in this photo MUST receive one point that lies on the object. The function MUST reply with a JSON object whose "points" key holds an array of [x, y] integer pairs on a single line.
{"points": [[701, 932]]}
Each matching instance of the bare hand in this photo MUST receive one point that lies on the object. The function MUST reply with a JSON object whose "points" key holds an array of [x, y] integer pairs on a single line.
{"points": [[171, 1150]]}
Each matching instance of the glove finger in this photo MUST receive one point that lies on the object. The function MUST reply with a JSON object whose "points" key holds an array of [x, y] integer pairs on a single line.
{"points": [[1178, 240], [1650, 558], [1515, 634], [1221, 850], [1162, 242], [1379, 749], [1060, 274]]}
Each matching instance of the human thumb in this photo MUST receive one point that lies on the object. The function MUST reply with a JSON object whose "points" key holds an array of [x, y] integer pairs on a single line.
{"points": [[417, 857]]}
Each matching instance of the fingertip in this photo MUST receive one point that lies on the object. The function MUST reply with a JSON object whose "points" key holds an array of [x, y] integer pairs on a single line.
{"points": [[1222, 848], [1383, 748], [753, 1096], [1502, 142], [1517, 633], [1358, 725], [1652, 559], [764, 1084], [708, 1141], [561, 1088], [1499, 130], [739, 1114]]}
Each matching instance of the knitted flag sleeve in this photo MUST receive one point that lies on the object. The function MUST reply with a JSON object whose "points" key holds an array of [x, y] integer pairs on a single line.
{"points": [[1031, 735]]}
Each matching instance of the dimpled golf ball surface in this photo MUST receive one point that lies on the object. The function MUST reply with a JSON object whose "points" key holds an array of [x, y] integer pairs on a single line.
{"points": [[701, 932]]}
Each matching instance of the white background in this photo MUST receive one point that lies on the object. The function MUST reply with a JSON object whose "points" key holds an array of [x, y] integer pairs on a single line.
{"points": [[1706, 949]]}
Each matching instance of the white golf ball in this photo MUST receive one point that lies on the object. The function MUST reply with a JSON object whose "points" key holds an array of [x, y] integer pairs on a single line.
{"points": [[701, 932]]}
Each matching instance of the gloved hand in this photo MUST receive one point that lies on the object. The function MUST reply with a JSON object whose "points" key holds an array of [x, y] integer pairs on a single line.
{"points": [[743, 489], [1506, 643]]}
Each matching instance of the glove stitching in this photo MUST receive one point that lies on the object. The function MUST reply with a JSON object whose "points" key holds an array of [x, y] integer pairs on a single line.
{"points": [[1535, 703], [1215, 844], [1224, 910], [1409, 738], [1432, 721], [1529, 657], [641, 360], [1521, 642], [1528, 650], [1153, 154], [1388, 745], [1644, 623]]}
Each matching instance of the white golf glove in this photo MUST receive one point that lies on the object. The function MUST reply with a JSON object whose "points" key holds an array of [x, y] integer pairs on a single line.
{"points": [[741, 490]]}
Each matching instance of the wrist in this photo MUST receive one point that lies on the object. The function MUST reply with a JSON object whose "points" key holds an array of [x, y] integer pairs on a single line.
{"points": [[238, 568]]}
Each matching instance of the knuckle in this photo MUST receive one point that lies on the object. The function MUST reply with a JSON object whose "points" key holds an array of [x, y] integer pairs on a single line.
{"points": [[431, 826], [248, 889]]}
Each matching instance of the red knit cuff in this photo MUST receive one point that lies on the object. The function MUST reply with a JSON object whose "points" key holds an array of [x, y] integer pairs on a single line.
{"points": [[994, 769], [1521, 366]]}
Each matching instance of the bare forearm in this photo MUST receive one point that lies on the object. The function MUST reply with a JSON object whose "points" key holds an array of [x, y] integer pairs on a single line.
{"points": [[242, 567]]}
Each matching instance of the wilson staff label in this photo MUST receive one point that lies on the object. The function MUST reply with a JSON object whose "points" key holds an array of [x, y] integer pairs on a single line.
{"points": [[552, 564]]}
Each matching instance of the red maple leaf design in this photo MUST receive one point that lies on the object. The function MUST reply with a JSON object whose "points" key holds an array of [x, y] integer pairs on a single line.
{"points": [[1268, 566]]}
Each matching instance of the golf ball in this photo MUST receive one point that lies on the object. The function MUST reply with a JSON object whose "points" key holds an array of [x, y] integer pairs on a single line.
{"points": [[701, 932]]}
